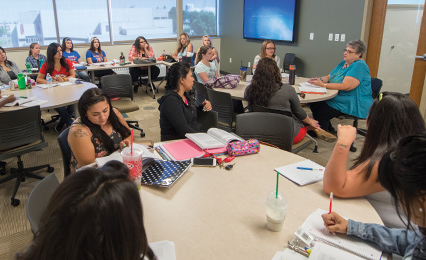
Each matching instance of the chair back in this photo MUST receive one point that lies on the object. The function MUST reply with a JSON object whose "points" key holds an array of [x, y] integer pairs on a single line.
{"points": [[65, 151], [376, 86], [20, 127], [200, 93], [207, 120], [39, 199], [119, 85], [257, 108], [275, 129], [222, 104], [288, 60]]}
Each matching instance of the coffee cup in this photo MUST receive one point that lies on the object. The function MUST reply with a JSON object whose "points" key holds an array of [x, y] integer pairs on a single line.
{"points": [[276, 209]]}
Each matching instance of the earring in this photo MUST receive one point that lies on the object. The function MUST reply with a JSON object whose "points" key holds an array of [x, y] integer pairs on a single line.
{"points": [[421, 210]]}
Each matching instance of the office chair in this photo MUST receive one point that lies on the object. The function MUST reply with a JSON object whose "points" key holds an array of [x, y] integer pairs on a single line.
{"points": [[207, 120], [272, 128], [222, 104], [306, 141], [200, 93], [21, 133], [39, 199], [65, 151], [120, 85], [288, 60]]}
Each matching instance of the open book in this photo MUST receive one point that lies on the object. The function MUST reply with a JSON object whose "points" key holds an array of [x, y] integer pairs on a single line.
{"points": [[214, 138]]}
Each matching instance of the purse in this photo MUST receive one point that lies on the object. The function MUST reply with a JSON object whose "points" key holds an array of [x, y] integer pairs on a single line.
{"points": [[243, 147], [227, 81]]}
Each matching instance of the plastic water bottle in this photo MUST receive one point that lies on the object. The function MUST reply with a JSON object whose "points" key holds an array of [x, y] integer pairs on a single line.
{"points": [[49, 80], [164, 55]]}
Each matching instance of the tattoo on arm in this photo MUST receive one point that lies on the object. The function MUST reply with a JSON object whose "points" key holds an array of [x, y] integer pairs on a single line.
{"points": [[344, 145], [79, 133]]}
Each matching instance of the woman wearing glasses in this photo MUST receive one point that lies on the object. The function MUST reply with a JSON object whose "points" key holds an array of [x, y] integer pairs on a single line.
{"points": [[142, 50], [69, 53], [95, 55], [352, 78], [267, 50]]}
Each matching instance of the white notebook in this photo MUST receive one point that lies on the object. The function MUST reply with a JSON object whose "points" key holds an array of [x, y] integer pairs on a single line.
{"points": [[302, 177], [314, 225]]}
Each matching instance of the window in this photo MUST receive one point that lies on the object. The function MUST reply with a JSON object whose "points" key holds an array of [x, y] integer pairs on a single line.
{"points": [[151, 19], [81, 20], [26, 22], [200, 17]]}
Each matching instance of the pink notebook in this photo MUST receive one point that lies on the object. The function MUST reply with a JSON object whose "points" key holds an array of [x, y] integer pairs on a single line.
{"points": [[186, 149]]}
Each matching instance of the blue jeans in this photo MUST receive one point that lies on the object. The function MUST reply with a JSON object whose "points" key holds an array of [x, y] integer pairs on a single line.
{"points": [[66, 114], [82, 75]]}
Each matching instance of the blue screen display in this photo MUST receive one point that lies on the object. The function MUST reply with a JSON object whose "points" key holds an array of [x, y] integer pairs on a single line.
{"points": [[272, 20]]}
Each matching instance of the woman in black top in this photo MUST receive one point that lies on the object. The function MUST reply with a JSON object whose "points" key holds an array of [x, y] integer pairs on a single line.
{"points": [[178, 112]]}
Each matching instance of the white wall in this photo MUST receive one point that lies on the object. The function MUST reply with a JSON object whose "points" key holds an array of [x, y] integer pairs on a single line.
{"points": [[399, 45]]}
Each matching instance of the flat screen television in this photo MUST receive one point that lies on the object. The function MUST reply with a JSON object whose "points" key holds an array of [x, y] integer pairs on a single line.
{"points": [[272, 19]]}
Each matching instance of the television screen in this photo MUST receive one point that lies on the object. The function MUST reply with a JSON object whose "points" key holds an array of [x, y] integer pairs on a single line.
{"points": [[272, 20]]}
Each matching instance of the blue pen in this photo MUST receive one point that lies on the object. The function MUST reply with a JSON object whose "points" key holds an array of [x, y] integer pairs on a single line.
{"points": [[309, 169]]}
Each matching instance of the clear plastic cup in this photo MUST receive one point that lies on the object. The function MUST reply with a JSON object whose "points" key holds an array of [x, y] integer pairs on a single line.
{"points": [[276, 210], [134, 162]]}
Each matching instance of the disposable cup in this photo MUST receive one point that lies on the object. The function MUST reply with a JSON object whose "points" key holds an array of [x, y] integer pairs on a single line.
{"points": [[134, 162], [276, 209]]}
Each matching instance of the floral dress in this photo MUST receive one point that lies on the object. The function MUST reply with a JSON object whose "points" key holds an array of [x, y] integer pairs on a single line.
{"points": [[100, 150]]}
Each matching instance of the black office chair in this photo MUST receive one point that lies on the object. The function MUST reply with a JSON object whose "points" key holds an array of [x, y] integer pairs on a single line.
{"points": [[39, 199], [120, 85], [305, 142], [65, 151], [222, 104], [200, 93], [272, 128], [288, 60], [21, 133], [207, 120]]}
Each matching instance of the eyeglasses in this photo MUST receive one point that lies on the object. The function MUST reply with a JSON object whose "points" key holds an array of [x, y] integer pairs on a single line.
{"points": [[271, 48], [348, 51]]}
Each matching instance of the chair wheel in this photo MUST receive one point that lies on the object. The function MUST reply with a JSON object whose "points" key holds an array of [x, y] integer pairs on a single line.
{"points": [[137, 125], [142, 134], [50, 169], [15, 202], [352, 149]]}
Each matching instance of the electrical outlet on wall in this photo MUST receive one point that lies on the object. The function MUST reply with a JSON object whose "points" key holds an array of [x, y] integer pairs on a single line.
{"points": [[336, 37], [311, 36], [342, 37], [230, 60], [330, 37]]}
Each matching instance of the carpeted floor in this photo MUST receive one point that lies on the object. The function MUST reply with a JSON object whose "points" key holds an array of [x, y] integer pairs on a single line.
{"points": [[15, 230]]}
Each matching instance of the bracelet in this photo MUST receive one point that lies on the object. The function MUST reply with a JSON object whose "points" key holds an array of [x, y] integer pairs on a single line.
{"points": [[325, 85]]}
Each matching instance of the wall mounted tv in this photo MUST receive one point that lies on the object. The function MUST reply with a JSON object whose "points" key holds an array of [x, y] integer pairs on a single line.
{"points": [[272, 19]]}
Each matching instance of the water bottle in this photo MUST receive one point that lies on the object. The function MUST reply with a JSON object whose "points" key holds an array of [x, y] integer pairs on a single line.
{"points": [[28, 65], [49, 80], [164, 55], [292, 74]]}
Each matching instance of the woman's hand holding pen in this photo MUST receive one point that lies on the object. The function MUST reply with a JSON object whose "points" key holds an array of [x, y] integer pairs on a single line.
{"points": [[335, 223], [207, 106]]}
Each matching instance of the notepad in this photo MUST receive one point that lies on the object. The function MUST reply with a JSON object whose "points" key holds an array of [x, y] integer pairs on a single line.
{"points": [[309, 88], [186, 149], [314, 225], [302, 177]]}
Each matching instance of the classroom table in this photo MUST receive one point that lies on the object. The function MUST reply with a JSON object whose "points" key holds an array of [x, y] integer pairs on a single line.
{"points": [[212, 213], [238, 92]]}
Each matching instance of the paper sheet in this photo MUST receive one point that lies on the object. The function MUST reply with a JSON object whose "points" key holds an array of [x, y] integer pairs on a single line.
{"points": [[164, 250], [302, 177]]}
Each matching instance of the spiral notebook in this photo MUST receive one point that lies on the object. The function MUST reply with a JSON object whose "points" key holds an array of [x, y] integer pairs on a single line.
{"points": [[164, 173], [315, 226]]}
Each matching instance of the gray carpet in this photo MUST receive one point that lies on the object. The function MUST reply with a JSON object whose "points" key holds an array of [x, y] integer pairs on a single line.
{"points": [[15, 230]]}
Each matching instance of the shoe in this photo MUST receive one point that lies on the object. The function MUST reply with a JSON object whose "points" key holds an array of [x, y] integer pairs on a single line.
{"points": [[332, 130], [59, 126], [326, 136], [135, 88]]}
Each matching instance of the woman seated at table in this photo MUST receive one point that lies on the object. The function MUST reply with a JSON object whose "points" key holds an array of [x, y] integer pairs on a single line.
{"points": [[392, 117], [96, 55], [266, 89], [402, 171], [99, 131], [267, 50], [8, 69], [141, 49], [205, 68], [206, 42], [352, 78], [60, 69], [34, 56], [69, 53], [93, 214], [184, 46], [178, 112]]}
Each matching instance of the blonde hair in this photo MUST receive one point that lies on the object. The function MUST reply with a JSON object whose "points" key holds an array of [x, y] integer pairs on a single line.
{"points": [[263, 49], [206, 36], [182, 47]]}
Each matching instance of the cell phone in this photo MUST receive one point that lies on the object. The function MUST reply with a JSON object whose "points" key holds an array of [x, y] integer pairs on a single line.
{"points": [[204, 162]]}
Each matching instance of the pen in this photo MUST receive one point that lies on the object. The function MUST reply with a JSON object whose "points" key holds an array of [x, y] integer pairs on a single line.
{"points": [[160, 153], [331, 202], [309, 169]]}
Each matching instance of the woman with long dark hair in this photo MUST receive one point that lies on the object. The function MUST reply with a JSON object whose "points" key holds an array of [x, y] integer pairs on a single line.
{"points": [[391, 117], [8, 69], [93, 214], [266, 89], [100, 130], [60, 69], [178, 112], [401, 171], [69, 53], [142, 50], [95, 54]]}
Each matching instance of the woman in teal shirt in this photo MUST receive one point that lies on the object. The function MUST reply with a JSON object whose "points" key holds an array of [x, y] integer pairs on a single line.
{"points": [[352, 78]]}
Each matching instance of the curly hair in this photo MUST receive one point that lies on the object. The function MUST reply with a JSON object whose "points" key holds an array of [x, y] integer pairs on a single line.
{"points": [[265, 83]]}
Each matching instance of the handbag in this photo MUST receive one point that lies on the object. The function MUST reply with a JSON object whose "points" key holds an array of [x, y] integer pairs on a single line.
{"points": [[243, 147], [228, 81]]}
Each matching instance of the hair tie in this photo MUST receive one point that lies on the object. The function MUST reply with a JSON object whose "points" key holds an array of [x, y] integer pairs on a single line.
{"points": [[392, 156]]}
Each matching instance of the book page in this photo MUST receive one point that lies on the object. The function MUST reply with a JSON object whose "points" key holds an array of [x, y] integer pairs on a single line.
{"points": [[223, 136], [164, 250], [205, 141], [322, 251]]}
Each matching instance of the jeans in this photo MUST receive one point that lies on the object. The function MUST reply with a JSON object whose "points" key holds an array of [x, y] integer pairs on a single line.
{"points": [[66, 114], [82, 75]]}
